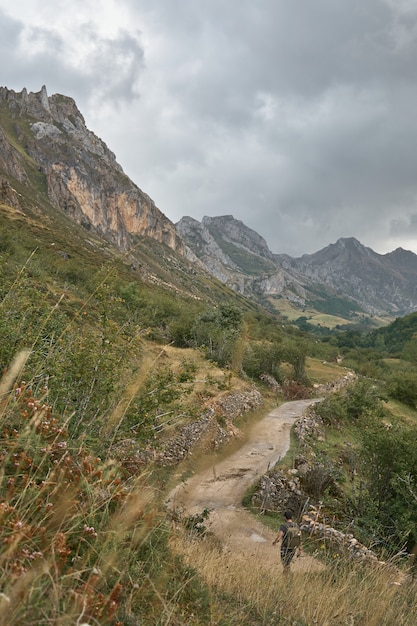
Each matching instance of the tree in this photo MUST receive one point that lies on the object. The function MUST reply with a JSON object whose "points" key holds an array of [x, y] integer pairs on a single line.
{"points": [[217, 330]]}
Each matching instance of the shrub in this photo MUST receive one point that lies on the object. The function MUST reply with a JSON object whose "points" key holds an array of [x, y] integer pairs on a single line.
{"points": [[403, 387]]}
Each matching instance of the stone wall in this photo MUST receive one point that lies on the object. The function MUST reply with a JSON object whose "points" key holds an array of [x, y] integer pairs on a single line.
{"points": [[278, 491], [343, 541], [214, 428]]}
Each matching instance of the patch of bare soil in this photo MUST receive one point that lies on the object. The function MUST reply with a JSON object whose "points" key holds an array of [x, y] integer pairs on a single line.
{"points": [[221, 489]]}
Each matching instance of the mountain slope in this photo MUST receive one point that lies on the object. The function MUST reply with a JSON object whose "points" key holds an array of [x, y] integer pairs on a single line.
{"points": [[238, 256], [379, 283], [63, 194], [344, 278], [52, 167]]}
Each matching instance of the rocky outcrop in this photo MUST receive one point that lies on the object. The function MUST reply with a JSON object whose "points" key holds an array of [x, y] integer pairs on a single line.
{"points": [[11, 163], [229, 230], [205, 247], [8, 195], [82, 175]]}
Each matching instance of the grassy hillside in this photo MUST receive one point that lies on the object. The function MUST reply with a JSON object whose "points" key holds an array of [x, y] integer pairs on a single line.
{"points": [[75, 526], [106, 357]]}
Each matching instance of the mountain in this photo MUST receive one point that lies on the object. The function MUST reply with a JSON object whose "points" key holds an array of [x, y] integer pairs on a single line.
{"points": [[238, 256], [79, 173], [63, 193], [380, 284], [57, 174], [344, 278], [99, 302]]}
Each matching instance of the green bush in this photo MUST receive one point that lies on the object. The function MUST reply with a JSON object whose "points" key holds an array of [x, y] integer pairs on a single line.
{"points": [[389, 462], [262, 358], [403, 387], [358, 399], [217, 331]]}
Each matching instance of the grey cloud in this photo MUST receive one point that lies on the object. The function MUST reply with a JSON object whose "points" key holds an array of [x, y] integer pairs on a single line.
{"points": [[115, 64], [110, 67], [299, 48], [10, 30], [404, 226], [296, 117]]}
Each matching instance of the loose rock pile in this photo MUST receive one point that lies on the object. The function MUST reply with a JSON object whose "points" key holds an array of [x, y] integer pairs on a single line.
{"points": [[309, 425], [278, 492]]}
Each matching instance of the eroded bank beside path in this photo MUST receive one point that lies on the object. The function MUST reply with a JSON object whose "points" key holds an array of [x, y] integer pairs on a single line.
{"points": [[222, 487]]}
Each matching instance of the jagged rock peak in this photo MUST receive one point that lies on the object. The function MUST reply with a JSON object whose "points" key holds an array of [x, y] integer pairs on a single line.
{"points": [[238, 233], [36, 104], [55, 117], [187, 221]]}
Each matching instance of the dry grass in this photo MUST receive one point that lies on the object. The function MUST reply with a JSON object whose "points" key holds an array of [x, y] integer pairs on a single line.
{"points": [[322, 372], [206, 371], [344, 593], [401, 412]]}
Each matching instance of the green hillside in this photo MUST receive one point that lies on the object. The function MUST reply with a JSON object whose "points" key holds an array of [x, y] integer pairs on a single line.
{"points": [[398, 336], [112, 361]]}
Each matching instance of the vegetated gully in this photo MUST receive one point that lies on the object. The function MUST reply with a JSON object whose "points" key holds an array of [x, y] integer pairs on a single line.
{"points": [[221, 489]]}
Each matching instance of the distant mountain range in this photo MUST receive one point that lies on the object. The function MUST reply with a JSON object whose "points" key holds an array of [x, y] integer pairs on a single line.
{"points": [[344, 278], [51, 165]]}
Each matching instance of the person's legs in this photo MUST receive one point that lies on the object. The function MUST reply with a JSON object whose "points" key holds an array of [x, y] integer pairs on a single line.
{"points": [[286, 558]]}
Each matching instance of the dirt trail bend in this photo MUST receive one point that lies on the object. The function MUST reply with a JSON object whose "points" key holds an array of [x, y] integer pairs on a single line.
{"points": [[221, 488]]}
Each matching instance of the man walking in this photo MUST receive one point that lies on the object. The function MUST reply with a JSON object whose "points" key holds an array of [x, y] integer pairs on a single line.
{"points": [[290, 536]]}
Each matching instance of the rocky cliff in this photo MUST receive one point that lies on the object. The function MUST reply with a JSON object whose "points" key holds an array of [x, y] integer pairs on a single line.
{"points": [[81, 174], [237, 256]]}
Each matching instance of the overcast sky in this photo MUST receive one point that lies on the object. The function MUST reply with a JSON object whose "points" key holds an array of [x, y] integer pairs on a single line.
{"points": [[298, 117]]}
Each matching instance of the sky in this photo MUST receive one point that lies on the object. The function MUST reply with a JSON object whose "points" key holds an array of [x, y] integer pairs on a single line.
{"points": [[297, 117]]}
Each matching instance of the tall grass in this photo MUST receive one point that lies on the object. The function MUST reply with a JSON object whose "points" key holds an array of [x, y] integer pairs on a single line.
{"points": [[342, 593], [65, 516], [82, 543]]}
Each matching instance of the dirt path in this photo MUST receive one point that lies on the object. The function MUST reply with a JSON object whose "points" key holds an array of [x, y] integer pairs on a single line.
{"points": [[222, 487]]}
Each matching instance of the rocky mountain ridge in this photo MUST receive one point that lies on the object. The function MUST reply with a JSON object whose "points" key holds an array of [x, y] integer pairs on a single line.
{"points": [[346, 276]]}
